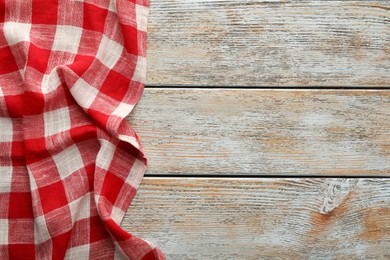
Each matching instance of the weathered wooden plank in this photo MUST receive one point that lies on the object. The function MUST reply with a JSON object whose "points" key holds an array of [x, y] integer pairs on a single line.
{"points": [[285, 132], [192, 218], [269, 42]]}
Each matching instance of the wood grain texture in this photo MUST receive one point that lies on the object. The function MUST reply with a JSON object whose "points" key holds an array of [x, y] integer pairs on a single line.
{"points": [[265, 132], [269, 42], [194, 218]]}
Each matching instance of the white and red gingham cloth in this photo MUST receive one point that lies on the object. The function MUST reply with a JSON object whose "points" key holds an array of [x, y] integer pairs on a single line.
{"points": [[70, 71]]}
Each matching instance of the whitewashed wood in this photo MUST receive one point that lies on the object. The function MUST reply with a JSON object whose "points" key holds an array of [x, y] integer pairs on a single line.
{"points": [[266, 132], [269, 42], [194, 218]]}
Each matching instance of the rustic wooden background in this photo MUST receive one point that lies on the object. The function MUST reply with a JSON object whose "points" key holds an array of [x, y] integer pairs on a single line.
{"points": [[267, 127]]}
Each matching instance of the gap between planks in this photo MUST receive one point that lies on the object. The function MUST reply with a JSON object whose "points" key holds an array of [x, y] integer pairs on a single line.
{"points": [[267, 87], [259, 176]]}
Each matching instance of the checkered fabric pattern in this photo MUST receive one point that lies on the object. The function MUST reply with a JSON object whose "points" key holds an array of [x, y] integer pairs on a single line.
{"points": [[70, 71]]}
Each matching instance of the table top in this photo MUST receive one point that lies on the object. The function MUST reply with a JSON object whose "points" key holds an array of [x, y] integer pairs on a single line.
{"points": [[266, 124]]}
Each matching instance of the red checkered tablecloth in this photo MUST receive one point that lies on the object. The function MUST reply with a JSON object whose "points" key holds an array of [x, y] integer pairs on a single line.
{"points": [[70, 71]]}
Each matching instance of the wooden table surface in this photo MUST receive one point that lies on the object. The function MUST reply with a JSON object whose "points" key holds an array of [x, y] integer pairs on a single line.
{"points": [[267, 128]]}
